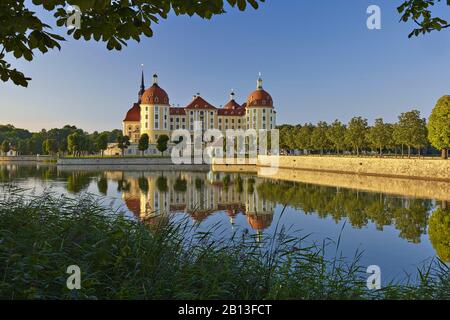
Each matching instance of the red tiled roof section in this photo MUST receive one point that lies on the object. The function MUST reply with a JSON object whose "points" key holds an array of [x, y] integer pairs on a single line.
{"points": [[134, 114], [177, 112], [200, 104], [238, 112], [231, 105], [260, 98], [155, 95]]}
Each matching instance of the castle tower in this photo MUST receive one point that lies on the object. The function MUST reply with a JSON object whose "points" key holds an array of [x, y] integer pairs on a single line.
{"points": [[155, 112], [260, 113]]}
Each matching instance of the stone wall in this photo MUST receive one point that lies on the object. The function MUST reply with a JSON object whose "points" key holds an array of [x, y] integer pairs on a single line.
{"points": [[162, 164], [423, 189], [27, 159], [428, 169]]}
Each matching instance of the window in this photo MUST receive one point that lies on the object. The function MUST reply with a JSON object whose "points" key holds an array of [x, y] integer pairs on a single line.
{"points": [[156, 109], [212, 114], [183, 120]]}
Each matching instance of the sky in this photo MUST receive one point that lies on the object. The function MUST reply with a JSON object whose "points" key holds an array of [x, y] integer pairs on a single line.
{"points": [[318, 59]]}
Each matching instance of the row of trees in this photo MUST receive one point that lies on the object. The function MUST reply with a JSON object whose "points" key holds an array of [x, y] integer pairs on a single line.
{"points": [[410, 132], [69, 140], [66, 140]]}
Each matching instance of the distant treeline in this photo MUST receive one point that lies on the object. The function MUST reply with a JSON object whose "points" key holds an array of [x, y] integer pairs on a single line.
{"points": [[55, 140], [411, 132]]}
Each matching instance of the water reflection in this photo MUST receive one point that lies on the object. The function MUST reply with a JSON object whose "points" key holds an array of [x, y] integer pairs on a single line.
{"points": [[203, 195]]}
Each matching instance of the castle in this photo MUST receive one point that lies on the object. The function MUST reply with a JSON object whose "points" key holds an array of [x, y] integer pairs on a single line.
{"points": [[152, 114]]}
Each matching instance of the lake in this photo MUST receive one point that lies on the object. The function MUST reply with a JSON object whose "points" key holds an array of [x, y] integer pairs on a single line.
{"points": [[391, 230]]}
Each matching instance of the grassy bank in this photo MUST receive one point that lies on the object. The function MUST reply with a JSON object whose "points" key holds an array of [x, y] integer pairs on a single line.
{"points": [[120, 258]]}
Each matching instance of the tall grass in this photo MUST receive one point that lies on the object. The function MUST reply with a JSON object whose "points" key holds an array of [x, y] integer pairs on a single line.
{"points": [[119, 258]]}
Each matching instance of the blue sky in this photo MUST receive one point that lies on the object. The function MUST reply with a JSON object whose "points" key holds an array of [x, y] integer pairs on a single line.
{"points": [[318, 59]]}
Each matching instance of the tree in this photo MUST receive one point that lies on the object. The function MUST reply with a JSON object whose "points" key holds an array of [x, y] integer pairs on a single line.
{"points": [[380, 135], [319, 137], [102, 142], [162, 143], [439, 126], [355, 135], [439, 230], [143, 143], [123, 142], [74, 143], [420, 12], [161, 184], [23, 147], [49, 146], [336, 135], [113, 22], [303, 137], [5, 146], [102, 185], [411, 130]]}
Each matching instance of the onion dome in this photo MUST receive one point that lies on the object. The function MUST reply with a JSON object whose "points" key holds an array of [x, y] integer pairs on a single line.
{"points": [[134, 114], [259, 97], [155, 94]]}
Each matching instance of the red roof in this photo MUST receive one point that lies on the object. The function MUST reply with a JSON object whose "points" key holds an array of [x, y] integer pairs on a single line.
{"points": [[134, 114], [232, 104], [177, 112], [232, 112], [155, 95], [259, 98], [200, 104]]}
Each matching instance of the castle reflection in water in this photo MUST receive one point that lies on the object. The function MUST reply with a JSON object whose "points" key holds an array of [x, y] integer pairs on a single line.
{"points": [[199, 195], [248, 201]]}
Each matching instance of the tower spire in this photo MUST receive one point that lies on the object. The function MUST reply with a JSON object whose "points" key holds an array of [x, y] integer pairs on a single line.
{"points": [[142, 78], [259, 82], [232, 94], [142, 89]]}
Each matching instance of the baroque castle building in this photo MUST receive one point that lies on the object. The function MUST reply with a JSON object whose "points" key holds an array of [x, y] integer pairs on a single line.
{"points": [[153, 114]]}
